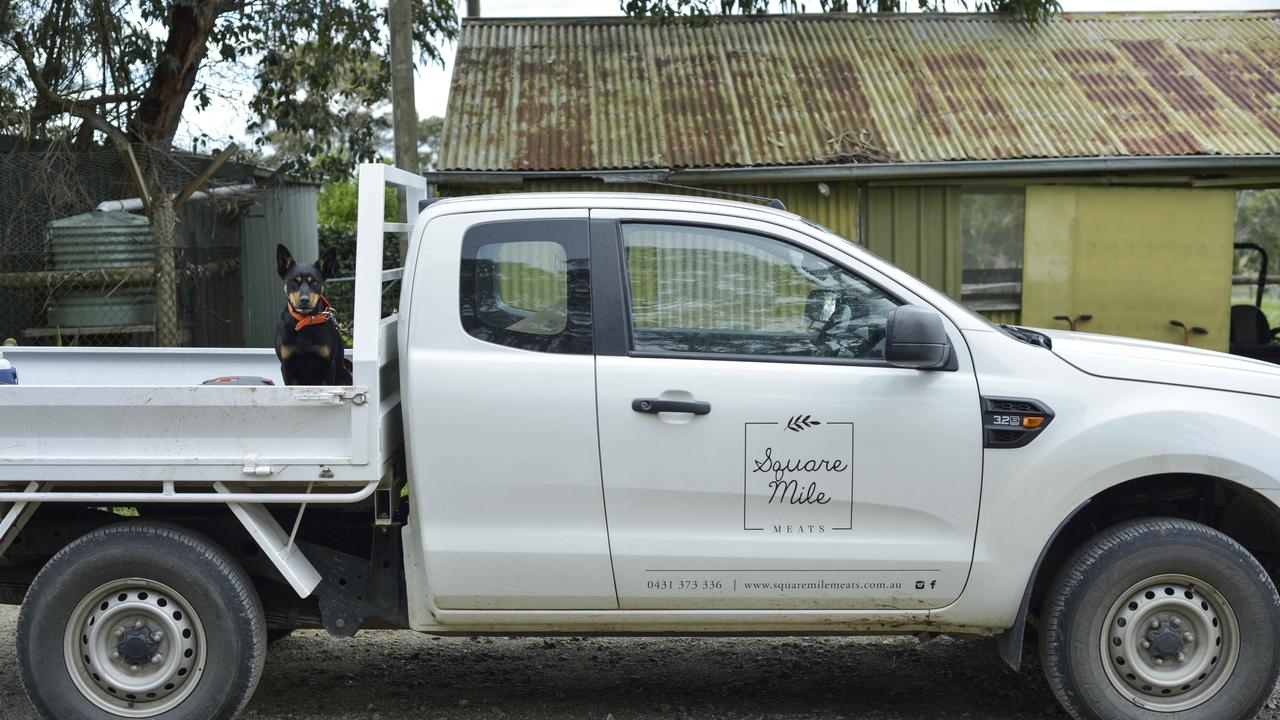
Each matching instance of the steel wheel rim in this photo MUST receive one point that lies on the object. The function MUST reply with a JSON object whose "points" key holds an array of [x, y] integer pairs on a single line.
{"points": [[1170, 643], [134, 648]]}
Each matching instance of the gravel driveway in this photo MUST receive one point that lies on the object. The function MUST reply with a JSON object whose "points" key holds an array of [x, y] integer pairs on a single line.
{"points": [[384, 675]]}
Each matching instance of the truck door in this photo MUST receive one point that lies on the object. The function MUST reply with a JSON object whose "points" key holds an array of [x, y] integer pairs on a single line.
{"points": [[754, 457], [500, 411]]}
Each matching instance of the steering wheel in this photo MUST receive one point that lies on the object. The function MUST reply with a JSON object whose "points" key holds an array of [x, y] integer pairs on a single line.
{"points": [[851, 345]]}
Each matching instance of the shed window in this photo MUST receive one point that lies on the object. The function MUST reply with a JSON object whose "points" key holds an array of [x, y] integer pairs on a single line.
{"points": [[1258, 223], [991, 226]]}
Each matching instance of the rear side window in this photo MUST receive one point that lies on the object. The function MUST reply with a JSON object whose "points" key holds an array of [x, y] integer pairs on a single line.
{"points": [[525, 284]]}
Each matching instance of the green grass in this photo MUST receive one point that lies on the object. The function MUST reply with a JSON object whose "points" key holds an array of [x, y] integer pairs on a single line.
{"points": [[1271, 306]]}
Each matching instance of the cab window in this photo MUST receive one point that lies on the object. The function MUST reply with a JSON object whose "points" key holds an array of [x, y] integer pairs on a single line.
{"points": [[525, 284], [710, 291]]}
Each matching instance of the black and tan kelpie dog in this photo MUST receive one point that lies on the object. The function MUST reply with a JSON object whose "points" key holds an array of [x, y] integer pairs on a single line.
{"points": [[308, 342]]}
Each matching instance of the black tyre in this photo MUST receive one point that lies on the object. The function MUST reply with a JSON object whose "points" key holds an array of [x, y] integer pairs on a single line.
{"points": [[141, 620], [1161, 617]]}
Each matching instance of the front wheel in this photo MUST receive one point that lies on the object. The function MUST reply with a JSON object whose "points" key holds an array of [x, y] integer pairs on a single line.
{"points": [[141, 620], [1162, 616]]}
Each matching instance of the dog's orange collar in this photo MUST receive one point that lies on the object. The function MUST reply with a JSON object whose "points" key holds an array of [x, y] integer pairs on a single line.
{"points": [[322, 315]]}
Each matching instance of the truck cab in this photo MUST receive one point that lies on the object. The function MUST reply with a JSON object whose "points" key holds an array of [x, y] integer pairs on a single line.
{"points": [[701, 399]]}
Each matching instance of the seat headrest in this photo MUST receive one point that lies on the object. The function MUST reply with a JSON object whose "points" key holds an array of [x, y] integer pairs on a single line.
{"points": [[1249, 326]]}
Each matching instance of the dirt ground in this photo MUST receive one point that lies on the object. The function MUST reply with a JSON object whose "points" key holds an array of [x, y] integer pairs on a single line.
{"points": [[402, 675]]}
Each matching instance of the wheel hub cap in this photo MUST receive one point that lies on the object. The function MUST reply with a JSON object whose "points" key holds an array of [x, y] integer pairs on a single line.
{"points": [[138, 646], [1167, 641], [1170, 643], [134, 648]]}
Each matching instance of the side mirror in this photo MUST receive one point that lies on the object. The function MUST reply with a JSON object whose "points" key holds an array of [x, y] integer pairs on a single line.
{"points": [[915, 338], [820, 306]]}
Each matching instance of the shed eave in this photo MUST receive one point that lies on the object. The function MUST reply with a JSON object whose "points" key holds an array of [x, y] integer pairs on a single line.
{"points": [[1198, 164]]}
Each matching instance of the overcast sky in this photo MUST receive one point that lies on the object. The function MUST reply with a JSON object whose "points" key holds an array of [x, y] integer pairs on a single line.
{"points": [[225, 121]]}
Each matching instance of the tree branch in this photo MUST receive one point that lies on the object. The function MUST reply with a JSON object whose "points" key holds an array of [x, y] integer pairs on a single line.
{"points": [[110, 99], [190, 27], [52, 99], [226, 6]]}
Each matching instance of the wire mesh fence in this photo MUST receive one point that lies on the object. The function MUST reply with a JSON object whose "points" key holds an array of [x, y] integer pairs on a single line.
{"points": [[77, 268]]}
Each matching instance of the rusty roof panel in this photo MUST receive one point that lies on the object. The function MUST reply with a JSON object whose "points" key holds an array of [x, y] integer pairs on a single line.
{"points": [[617, 93]]}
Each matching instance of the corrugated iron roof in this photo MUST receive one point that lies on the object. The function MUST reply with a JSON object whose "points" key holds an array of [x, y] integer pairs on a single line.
{"points": [[613, 93]]}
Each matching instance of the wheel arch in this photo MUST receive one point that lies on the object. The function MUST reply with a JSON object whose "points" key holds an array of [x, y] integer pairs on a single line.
{"points": [[1241, 513], [53, 526]]}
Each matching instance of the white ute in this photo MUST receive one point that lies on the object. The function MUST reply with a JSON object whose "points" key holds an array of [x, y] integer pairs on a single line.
{"points": [[607, 414]]}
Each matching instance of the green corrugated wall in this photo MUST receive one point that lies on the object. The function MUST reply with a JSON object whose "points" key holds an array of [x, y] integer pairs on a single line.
{"points": [[285, 214], [1010, 317], [1121, 233], [914, 227], [917, 229], [838, 209]]}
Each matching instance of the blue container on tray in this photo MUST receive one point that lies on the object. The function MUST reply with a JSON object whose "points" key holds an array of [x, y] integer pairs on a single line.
{"points": [[8, 373]]}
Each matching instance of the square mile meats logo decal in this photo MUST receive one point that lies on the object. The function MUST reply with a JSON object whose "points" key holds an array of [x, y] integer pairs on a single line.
{"points": [[797, 476]]}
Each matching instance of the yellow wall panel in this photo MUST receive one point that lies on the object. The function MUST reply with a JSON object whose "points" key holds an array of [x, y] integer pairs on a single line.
{"points": [[1134, 258]]}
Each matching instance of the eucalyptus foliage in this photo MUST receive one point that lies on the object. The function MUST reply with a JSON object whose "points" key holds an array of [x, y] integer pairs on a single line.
{"points": [[1030, 10], [128, 69]]}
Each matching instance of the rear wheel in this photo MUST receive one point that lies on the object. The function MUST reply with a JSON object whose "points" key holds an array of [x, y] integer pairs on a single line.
{"points": [[1162, 616], [141, 620]]}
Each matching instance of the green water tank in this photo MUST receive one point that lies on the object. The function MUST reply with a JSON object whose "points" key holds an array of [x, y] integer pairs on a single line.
{"points": [[102, 240]]}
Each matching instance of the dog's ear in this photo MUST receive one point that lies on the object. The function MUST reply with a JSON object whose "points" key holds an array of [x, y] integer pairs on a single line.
{"points": [[284, 260], [328, 262]]}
